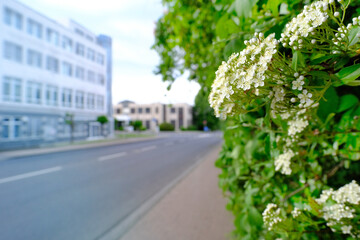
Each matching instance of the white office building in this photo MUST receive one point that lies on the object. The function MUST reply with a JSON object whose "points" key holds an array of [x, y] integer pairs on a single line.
{"points": [[153, 114], [51, 76]]}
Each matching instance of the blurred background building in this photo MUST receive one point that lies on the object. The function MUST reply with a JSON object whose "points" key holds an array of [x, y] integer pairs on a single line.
{"points": [[55, 79], [152, 115]]}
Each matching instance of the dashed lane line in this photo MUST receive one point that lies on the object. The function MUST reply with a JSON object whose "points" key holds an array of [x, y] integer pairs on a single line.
{"points": [[30, 174], [112, 156]]}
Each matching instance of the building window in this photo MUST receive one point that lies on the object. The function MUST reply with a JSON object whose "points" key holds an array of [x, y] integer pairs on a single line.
{"points": [[52, 36], [156, 110], [13, 18], [67, 69], [173, 110], [173, 122], [51, 95], [91, 101], [33, 92], [80, 49], [91, 54], [80, 73], [147, 110], [100, 102], [118, 110], [34, 28], [34, 58], [52, 64], [91, 76], [11, 90], [101, 79], [140, 110], [133, 110], [91, 39], [11, 127], [100, 59], [66, 97], [79, 99], [5, 128], [67, 43], [12, 51]]}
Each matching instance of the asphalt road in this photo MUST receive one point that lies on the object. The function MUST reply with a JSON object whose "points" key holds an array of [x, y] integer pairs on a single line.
{"points": [[84, 194]]}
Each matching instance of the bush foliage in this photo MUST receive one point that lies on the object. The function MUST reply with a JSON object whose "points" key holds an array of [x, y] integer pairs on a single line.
{"points": [[291, 97], [166, 127]]}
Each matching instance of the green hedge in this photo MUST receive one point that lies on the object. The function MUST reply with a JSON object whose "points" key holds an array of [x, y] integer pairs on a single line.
{"points": [[166, 127]]}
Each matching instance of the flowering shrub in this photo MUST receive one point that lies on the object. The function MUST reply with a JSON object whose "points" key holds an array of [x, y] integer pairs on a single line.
{"points": [[294, 131]]}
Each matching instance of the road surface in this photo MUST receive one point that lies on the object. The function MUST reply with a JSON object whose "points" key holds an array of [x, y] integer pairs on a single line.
{"points": [[85, 193]]}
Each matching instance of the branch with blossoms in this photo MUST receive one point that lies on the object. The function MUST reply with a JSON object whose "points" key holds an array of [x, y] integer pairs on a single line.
{"points": [[295, 88]]}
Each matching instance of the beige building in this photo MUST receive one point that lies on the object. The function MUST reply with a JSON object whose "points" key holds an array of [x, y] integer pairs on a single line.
{"points": [[151, 115]]}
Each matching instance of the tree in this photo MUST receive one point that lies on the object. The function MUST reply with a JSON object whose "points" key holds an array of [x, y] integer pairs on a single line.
{"points": [[203, 112], [137, 124], [69, 120], [102, 120], [196, 36]]}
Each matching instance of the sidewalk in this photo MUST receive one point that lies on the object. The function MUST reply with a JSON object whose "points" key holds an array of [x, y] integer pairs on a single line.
{"points": [[193, 210]]}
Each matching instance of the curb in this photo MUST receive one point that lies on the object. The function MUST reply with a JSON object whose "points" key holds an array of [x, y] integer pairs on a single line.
{"points": [[38, 151], [123, 226]]}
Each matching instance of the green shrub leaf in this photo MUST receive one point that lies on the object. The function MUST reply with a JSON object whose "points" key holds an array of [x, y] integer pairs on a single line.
{"points": [[349, 74], [346, 102]]}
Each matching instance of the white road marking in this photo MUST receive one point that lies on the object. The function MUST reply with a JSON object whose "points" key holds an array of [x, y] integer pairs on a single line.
{"points": [[112, 156], [145, 149], [30, 174]]}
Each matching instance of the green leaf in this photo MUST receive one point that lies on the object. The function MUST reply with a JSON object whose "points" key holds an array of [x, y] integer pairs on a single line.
{"points": [[354, 35], [321, 59], [329, 105], [349, 74], [320, 74], [273, 5], [297, 61], [234, 45], [341, 62], [347, 101], [284, 9], [221, 29], [354, 83], [243, 8], [255, 218]]}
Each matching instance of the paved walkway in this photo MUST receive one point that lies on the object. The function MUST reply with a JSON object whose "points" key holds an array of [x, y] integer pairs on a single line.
{"points": [[193, 210]]}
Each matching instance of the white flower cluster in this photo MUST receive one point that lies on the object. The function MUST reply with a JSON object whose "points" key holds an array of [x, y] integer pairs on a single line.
{"points": [[304, 24], [337, 212], [296, 212], [305, 99], [241, 72], [346, 229], [342, 33], [334, 213], [356, 21], [298, 83], [297, 126], [282, 162], [350, 193], [271, 215]]}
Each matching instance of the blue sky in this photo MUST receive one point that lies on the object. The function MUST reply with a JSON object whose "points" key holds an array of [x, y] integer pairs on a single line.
{"points": [[131, 24]]}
